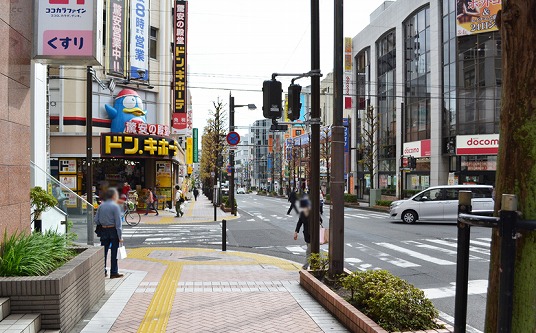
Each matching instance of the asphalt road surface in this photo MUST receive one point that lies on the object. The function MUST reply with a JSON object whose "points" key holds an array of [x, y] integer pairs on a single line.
{"points": [[423, 253]]}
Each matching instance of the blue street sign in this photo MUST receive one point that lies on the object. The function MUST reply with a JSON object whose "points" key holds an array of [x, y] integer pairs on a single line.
{"points": [[233, 138]]}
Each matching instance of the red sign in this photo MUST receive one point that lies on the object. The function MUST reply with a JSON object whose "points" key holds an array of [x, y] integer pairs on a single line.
{"points": [[132, 127], [483, 144], [418, 149], [233, 138], [180, 121]]}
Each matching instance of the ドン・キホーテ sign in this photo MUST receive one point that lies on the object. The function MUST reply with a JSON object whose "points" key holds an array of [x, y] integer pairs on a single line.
{"points": [[137, 146]]}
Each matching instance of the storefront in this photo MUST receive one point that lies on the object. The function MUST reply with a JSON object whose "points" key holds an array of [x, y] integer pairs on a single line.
{"points": [[417, 178], [476, 159]]}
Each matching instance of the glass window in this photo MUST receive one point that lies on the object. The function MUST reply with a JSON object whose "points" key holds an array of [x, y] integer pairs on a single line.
{"points": [[430, 195], [153, 45]]}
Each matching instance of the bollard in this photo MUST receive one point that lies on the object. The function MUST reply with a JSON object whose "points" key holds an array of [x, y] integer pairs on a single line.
{"points": [[462, 267], [224, 235], [507, 228]]}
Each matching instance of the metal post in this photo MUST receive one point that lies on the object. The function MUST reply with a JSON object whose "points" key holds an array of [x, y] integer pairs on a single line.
{"points": [[224, 235], [232, 156], [336, 225], [462, 267], [89, 153], [507, 227], [315, 127]]}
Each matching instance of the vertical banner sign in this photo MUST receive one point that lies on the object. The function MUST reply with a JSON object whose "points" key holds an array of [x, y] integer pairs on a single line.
{"points": [[181, 32], [476, 16], [116, 39], [270, 143], [139, 39], [189, 151], [196, 145], [68, 31], [347, 77]]}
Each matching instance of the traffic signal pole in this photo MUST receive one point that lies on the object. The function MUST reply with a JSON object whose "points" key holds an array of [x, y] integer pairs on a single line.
{"points": [[315, 128], [232, 156], [336, 225]]}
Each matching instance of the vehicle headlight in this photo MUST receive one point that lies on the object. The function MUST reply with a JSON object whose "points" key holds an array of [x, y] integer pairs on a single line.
{"points": [[396, 204]]}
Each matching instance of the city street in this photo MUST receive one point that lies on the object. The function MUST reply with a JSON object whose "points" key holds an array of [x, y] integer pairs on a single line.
{"points": [[424, 253]]}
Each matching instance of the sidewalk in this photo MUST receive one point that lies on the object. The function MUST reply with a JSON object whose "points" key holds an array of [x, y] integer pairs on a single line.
{"points": [[200, 211], [201, 290]]}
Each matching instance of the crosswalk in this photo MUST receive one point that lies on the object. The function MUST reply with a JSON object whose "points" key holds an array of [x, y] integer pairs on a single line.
{"points": [[407, 253], [174, 235], [255, 216]]}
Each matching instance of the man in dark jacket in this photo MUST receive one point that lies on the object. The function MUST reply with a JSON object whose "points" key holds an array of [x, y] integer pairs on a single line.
{"points": [[303, 220], [292, 198]]}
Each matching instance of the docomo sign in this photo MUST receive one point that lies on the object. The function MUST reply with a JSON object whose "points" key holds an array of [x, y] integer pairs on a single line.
{"points": [[418, 148], [485, 144]]}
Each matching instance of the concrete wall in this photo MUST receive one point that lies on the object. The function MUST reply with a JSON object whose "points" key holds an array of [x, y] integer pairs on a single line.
{"points": [[15, 76]]}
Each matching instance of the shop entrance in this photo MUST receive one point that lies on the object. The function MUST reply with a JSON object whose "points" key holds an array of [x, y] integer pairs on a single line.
{"points": [[115, 172]]}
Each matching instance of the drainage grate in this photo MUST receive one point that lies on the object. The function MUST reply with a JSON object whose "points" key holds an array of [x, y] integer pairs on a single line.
{"points": [[199, 258]]}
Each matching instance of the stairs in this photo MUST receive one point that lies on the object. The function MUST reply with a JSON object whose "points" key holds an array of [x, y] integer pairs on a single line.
{"points": [[18, 323]]}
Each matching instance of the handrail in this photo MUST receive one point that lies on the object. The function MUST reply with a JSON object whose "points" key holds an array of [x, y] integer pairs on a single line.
{"points": [[479, 220]]}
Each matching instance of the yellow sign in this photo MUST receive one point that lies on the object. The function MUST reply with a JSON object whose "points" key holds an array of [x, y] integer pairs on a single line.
{"points": [[163, 174], [190, 170], [348, 54], [287, 119], [136, 146], [476, 16], [189, 151]]}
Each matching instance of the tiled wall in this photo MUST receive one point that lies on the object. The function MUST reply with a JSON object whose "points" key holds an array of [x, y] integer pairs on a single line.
{"points": [[15, 51]]}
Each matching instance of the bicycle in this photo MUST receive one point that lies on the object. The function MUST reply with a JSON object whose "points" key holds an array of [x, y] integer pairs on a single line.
{"points": [[131, 215]]}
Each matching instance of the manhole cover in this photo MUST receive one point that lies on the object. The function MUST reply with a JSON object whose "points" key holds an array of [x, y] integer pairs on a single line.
{"points": [[199, 258]]}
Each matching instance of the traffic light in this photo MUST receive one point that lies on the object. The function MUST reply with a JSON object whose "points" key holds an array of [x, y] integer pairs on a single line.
{"points": [[272, 106], [294, 105], [412, 162], [219, 162]]}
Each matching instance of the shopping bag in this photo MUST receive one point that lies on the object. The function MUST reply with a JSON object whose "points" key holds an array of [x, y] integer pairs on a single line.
{"points": [[324, 235], [121, 253]]}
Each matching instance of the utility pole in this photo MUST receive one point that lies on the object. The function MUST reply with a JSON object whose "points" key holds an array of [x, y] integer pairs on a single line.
{"points": [[89, 153], [336, 242], [315, 127], [232, 156]]}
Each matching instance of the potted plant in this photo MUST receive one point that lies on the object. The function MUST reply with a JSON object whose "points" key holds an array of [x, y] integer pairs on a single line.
{"points": [[41, 201]]}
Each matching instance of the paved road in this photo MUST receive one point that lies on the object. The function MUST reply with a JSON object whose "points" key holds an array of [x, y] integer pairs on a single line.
{"points": [[424, 253]]}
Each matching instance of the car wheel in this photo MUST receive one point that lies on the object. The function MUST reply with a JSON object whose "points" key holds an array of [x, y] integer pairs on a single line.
{"points": [[409, 217]]}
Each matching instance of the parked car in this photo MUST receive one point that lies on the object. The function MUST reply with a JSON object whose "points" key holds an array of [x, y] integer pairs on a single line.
{"points": [[440, 203], [241, 190]]}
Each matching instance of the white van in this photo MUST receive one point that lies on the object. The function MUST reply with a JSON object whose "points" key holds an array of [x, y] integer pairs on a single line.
{"points": [[440, 203]]}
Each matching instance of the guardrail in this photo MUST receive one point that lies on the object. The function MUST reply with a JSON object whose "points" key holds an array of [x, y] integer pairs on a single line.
{"points": [[508, 222]]}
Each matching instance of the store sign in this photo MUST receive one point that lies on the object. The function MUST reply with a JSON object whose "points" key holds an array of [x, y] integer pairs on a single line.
{"points": [[181, 32], [485, 144], [116, 41], [485, 165], [68, 32], [179, 123], [418, 148], [146, 129], [139, 39], [68, 166], [189, 151], [347, 77], [137, 146], [346, 124], [196, 145], [163, 174], [477, 16]]}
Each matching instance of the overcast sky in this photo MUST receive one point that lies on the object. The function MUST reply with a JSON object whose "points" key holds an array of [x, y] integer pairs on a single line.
{"points": [[234, 45]]}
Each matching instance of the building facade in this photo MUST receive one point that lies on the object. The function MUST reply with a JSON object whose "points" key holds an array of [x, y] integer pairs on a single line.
{"points": [[436, 96]]}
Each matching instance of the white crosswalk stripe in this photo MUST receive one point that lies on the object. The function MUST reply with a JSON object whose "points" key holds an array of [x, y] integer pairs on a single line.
{"points": [[385, 257], [175, 234], [418, 255], [454, 245]]}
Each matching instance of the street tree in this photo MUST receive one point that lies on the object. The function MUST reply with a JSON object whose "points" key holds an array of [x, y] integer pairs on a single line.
{"points": [[369, 147], [516, 173], [325, 152]]}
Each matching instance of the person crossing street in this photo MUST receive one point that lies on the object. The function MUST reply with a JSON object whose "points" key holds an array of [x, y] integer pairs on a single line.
{"points": [[292, 198]]}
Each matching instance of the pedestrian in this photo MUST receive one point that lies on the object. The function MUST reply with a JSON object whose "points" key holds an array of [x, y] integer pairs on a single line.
{"points": [[321, 202], [150, 201], [179, 199], [126, 189], [196, 193], [292, 198], [108, 217], [303, 220]]}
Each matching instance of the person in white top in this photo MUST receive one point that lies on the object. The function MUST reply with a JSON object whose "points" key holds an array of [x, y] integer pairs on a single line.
{"points": [[321, 202], [178, 201]]}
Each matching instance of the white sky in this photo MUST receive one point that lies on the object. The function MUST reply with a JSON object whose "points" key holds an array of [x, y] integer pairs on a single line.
{"points": [[237, 44]]}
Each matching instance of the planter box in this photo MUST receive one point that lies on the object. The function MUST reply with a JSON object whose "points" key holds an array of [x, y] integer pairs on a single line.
{"points": [[64, 296], [225, 209], [345, 312]]}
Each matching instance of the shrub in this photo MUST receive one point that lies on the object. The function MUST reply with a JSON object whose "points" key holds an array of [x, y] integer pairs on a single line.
{"points": [[328, 197], [41, 201], [390, 301], [350, 198], [225, 201], [318, 264], [34, 254], [384, 203]]}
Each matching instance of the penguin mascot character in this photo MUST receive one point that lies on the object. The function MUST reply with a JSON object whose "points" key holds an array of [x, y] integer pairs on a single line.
{"points": [[128, 107]]}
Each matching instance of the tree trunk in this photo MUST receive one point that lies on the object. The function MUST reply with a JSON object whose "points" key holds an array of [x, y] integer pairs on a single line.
{"points": [[516, 172]]}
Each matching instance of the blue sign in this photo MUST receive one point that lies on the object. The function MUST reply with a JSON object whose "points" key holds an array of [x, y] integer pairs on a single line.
{"points": [[233, 138], [346, 125], [303, 110], [139, 39], [269, 164]]}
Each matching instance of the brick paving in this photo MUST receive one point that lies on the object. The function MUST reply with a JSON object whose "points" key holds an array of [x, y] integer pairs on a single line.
{"points": [[201, 290]]}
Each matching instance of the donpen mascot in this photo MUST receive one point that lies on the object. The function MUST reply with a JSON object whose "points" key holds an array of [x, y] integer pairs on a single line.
{"points": [[128, 107]]}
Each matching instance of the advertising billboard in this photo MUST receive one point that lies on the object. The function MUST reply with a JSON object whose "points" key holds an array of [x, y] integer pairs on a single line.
{"points": [[189, 151], [476, 16], [347, 75], [137, 146], [139, 39], [196, 145], [478, 144], [116, 39], [68, 32], [180, 66]]}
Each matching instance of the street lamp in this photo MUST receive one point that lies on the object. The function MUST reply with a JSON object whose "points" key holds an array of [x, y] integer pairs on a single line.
{"points": [[232, 107]]}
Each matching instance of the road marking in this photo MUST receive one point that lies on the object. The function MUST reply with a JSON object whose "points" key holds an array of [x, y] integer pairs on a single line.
{"points": [[296, 249], [475, 287], [356, 216], [447, 243], [443, 250], [385, 257], [450, 320], [417, 255], [251, 220], [485, 239], [353, 260]]}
